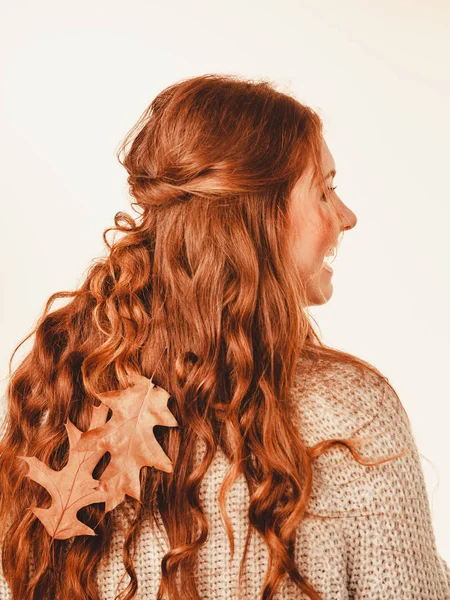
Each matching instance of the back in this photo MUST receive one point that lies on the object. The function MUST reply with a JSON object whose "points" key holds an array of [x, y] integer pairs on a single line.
{"points": [[368, 533], [377, 541]]}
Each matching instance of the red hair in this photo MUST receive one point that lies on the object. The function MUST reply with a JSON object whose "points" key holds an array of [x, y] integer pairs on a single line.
{"points": [[204, 278]]}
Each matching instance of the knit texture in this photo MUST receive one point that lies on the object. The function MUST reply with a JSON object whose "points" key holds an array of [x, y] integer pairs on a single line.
{"points": [[377, 542]]}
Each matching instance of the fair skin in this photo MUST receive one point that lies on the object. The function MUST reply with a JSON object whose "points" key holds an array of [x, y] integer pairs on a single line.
{"points": [[316, 225]]}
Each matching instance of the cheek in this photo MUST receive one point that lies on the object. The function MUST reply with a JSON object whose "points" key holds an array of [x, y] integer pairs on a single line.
{"points": [[311, 236], [328, 232], [307, 250]]}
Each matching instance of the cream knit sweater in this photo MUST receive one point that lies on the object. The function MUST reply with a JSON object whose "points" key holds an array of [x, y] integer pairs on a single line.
{"points": [[391, 555]]}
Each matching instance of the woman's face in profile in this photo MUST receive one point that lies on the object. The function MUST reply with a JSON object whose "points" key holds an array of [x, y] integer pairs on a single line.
{"points": [[315, 226]]}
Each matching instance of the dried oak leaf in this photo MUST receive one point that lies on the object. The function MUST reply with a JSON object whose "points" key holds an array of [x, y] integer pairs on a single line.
{"points": [[72, 487], [129, 437]]}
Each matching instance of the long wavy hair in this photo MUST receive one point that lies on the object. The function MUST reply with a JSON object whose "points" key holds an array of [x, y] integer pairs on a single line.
{"points": [[201, 290]]}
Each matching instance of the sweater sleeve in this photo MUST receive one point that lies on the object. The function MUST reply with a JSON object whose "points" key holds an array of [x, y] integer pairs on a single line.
{"points": [[446, 570], [381, 512], [388, 531]]}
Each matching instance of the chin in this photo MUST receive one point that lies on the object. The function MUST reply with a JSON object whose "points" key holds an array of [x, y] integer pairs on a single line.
{"points": [[321, 294]]}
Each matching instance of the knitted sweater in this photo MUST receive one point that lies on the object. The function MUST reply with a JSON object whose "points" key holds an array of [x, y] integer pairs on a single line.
{"points": [[380, 543]]}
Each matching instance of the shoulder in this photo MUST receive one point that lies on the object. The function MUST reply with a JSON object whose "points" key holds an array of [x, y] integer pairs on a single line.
{"points": [[379, 506], [346, 403], [339, 400]]}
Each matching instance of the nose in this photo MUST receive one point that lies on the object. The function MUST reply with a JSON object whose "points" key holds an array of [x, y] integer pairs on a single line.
{"points": [[348, 218]]}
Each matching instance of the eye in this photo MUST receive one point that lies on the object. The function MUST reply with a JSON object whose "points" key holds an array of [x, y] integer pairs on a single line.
{"points": [[324, 198]]}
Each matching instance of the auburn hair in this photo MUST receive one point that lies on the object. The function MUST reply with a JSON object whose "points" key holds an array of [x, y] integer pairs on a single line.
{"points": [[199, 289]]}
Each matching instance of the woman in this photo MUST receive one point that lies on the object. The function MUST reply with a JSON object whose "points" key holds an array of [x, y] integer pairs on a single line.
{"points": [[282, 468]]}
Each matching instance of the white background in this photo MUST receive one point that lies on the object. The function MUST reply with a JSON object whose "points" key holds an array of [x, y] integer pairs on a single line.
{"points": [[76, 76]]}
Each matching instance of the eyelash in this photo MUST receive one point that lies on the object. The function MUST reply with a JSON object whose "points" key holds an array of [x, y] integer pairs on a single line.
{"points": [[323, 195]]}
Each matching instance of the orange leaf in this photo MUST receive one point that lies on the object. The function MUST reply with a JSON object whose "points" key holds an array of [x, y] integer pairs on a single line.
{"points": [[129, 437], [72, 487]]}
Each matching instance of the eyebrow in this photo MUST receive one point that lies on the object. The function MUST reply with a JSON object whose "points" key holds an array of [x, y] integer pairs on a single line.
{"points": [[332, 173]]}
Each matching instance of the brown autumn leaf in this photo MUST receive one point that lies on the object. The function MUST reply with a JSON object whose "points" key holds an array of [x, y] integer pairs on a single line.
{"points": [[72, 487], [129, 438]]}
